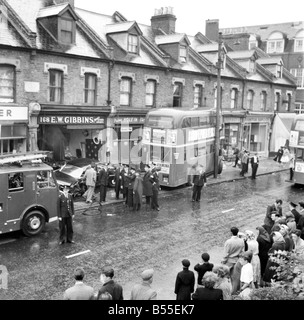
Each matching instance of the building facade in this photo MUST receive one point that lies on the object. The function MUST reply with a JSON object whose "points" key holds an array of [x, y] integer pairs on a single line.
{"points": [[80, 83]]}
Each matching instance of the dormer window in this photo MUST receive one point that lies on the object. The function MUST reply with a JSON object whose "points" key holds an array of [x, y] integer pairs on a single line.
{"points": [[66, 29], [252, 42], [299, 42], [183, 54], [133, 43], [279, 71], [275, 43]]}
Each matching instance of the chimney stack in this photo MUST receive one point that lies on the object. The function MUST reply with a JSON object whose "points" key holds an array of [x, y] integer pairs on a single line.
{"points": [[164, 19], [212, 29]]}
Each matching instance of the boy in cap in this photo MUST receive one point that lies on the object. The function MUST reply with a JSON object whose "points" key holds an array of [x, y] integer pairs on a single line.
{"points": [[203, 267], [79, 291], [184, 283], [109, 285], [144, 291]]}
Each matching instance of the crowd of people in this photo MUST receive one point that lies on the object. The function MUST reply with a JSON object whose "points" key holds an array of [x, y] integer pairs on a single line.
{"points": [[246, 264]]}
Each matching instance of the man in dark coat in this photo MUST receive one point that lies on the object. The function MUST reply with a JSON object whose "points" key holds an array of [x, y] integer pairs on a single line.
{"points": [[184, 284], [254, 165], [203, 267], [148, 181], [155, 187], [109, 285], [65, 216], [119, 180], [294, 211], [207, 292], [236, 153], [103, 181], [274, 208], [131, 179], [279, 155], [126, 172], [199, 179]]}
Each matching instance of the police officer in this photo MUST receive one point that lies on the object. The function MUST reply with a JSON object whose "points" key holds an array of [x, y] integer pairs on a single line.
{"points": [[65, 216], [155, 187]]}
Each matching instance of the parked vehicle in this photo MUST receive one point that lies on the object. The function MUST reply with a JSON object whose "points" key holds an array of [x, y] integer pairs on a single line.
{"points": [[28, 193], [72, 171]]}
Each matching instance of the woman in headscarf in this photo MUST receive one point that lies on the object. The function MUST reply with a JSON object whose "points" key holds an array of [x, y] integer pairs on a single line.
{"points": [[278, 244], [253, 246], [264, 242], [291, 221], [284, 230]]}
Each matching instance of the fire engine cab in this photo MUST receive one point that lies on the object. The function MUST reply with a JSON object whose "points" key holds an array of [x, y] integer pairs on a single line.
{"points": [[28, 193]]}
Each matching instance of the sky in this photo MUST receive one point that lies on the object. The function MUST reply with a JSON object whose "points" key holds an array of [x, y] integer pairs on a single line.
{"points": [[192, 14]]}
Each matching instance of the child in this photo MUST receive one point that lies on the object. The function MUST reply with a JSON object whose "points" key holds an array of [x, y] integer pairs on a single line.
{"points": [[203, 267]]}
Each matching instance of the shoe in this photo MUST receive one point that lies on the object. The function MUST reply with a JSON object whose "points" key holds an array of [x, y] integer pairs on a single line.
{"points": [[61, 242], [193, 200], [234, 166], [71, 241], [157, 209]]}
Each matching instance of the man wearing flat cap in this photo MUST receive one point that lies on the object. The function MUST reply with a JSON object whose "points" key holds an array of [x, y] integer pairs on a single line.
{"points": [[294, 211], [184, 283], [144, 291], [79, 291]]}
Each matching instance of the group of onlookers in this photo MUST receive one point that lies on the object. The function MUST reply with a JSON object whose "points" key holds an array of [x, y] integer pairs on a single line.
{"points": [[243, 158]]}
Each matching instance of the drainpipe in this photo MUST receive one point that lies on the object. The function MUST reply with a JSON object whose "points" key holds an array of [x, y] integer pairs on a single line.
{"points": [[110, 68]]}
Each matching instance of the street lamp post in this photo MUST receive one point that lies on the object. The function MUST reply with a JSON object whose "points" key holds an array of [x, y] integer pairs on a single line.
{"points": [[218, 105]]}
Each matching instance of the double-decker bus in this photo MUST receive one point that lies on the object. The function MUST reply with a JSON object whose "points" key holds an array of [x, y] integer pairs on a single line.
{"points": [[178, 141], [296, 142]]}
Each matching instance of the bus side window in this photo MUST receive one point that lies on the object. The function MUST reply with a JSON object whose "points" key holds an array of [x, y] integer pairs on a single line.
{"points": [[15, 182]]}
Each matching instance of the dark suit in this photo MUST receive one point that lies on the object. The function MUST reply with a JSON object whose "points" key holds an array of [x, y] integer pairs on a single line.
{"points": [[125, 184], [119, 181], [207, 294], [113, 288], [184, 284], [66, 212], [147, 187], [202, 269], [103, 181], [254, 166], [131, 179], [198, 182], [155, 190], [297, 215]]}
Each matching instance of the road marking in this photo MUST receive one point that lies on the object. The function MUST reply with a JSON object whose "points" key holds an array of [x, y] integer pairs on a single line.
{"points": [[77, 254], [228, 210]]}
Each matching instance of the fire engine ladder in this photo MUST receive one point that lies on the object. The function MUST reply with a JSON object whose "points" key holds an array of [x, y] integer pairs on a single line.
{"points": [[33, 156]]}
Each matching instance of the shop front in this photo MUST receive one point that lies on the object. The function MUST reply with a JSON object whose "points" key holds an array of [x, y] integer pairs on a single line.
{"points": [[13, 129], [72, 136], [127, 138], [255, 133]]}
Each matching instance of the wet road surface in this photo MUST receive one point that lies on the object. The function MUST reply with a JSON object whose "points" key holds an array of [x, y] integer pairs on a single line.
{"points": [[132, 241]]}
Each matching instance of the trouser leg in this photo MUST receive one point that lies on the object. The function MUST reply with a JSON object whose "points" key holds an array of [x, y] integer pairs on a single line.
{"points": [[69, 226], [62, 233]]}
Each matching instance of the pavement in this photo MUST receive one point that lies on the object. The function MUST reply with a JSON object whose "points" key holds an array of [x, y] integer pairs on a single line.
{"points": [[229, 174]]}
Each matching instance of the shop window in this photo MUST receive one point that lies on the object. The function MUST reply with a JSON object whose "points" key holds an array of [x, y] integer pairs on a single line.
{"points": [[15, 182], [125, 91], [234, 97], [250, 95], [177, 94], [151, 93], [90, 81], [7, 83], [55, 85], [198, 96]]}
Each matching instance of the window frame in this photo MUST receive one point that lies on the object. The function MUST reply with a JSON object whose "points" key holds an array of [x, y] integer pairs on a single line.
{"points": [[288, 101], [179, 97], [234, 99], [250, 101], [275, 46], [276, 106], [198, 96], [88, 90], [299, 108], [298, 48], [150, 94], [125, 93], [183, 58], [12, 98], [133, 47], [263, 102], [61, 29], [300, 78], [60, 89]]}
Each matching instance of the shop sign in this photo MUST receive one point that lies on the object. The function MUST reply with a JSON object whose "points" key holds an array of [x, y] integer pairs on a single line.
{"points": [[70, 120], [256, 119], [232, 120], [129, 120], [13, 113]]}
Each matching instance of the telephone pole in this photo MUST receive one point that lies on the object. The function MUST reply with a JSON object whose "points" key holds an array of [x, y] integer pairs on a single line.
{"points": [[218, 105]]}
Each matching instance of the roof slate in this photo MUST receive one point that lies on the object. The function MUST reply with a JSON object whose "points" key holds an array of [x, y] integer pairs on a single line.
{"points": [[51, 11]]}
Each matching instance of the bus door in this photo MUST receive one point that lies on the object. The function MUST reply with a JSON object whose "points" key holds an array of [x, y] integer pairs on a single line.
{"points": [[3, 201], [20, 196], [47, 191]]}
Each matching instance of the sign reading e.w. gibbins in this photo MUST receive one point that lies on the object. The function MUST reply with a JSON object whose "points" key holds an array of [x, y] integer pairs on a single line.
{"points": [[70, 120]]}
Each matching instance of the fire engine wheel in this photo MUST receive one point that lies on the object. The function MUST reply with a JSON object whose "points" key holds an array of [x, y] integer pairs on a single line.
{"points": [[33, 223], [111, 182]]}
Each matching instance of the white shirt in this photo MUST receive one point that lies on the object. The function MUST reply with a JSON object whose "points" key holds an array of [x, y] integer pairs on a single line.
{"points": [[247, 273]]}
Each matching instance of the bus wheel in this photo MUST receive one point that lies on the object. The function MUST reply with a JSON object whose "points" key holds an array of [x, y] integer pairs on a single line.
{"points": [[220, 167], [33, 223]]}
